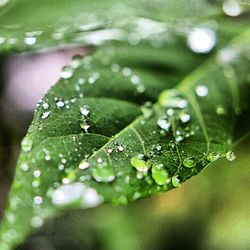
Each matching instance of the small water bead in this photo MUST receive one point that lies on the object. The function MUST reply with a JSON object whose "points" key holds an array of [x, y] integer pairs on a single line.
{"points": [[120, 148], [201, 90], [29, 40], [147, 110], [85, 110], [184, 117], [164, 123], [45, 105], [66, 72], [27, 144], [232, 8], [45, 115], [38, 200], [25, 167], [141, 88], [37, 173], [109, 150], [139, 163], [176, 181], [220, 110], [201, 40], [60, 103], [103, 173], [84, 165], [213, 156], [189, 162], [170, 112], [47, 157], [179, 136], [159, 174], [135, 79], [230, 156], [76, 61], [126, 71], [85, 125], [93, 78]]}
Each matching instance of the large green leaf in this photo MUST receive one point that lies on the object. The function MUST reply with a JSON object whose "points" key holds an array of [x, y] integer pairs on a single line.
{"points": [[94, 140]]}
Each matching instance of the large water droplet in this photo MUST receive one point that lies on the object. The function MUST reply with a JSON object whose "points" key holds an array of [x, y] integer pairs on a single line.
{"points": [[85, 110], [139, 163], [213, 156], [201, 40], [230, 155], [189, 162], [159, 174], [232, 7], [164, 123]]}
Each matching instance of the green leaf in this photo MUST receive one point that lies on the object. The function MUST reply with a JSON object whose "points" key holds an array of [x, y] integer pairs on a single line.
{"points": [[94, 140], [26, 25]]}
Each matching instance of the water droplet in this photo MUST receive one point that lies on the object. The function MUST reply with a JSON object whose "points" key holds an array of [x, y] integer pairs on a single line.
{"points": [[115, 67], [189, 162], [201, 90], [126, 71], [60, 103], [220, 110], [164, 123], [120, 148], [159, 174], [27, 144], [38, 200], [140, 163], [37, 173], [30, 40], [103, 173], [85, 110], [85, 125], [47, 157], [213, 156], [232, 8], [45, 115], [176, 181], [84, 165], [76, 61], [184, 117], [45, 105], [135, 79], [230, 155], [66, 72], [201, 40], [25, 167], [92, 79]]}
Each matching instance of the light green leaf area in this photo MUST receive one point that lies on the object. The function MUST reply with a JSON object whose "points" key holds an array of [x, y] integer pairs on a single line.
{"points": [[27, 25], [111, 133]]}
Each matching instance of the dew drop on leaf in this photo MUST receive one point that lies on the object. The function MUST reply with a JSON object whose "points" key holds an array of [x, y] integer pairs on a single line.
{"points": [[176, 181], [201, 40], [66, 72], [201, 90], [45, 105], [84, 165], [45, 115], [159, 174], [213, 156], [232, 7], [189, 162], [139, 163], [230, 155], [76, 61], [164, 123], [27, 144], [85, 110], [184, 117], [60, 103]]}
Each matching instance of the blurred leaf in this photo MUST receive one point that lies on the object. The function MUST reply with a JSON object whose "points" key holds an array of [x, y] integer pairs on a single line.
{"points": [[27, 25], [93, 140]]}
